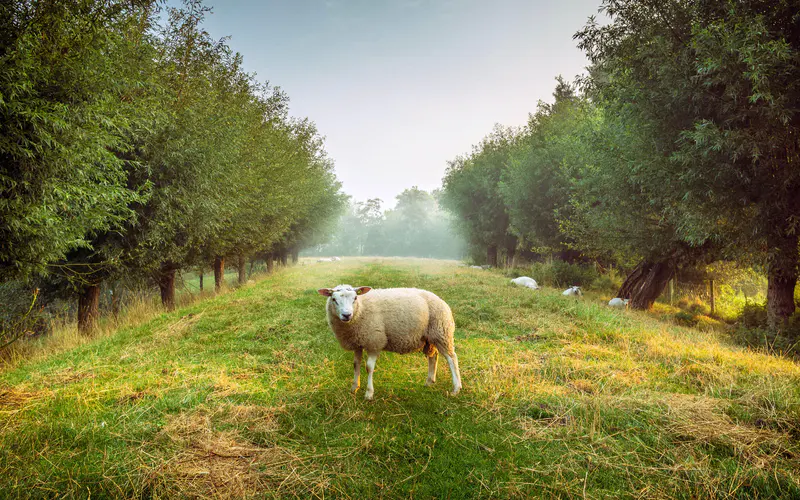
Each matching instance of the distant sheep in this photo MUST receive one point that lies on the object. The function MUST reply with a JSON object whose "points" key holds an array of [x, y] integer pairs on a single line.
{"points": [[573, 291], [325, 259], [618, 302], [336, 259], [400, 320], [475, 267], [526, 282]]}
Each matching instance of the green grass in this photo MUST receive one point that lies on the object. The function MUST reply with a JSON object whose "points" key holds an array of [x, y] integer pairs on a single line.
{"points": [[248, 394]]}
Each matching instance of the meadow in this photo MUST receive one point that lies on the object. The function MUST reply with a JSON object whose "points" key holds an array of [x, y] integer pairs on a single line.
{"points": [[246, 394]]}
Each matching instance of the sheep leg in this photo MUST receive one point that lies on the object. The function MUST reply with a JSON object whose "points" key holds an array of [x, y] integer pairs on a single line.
{"points": [[372, 357], [432, 368], [356, 370], [452, 360]]}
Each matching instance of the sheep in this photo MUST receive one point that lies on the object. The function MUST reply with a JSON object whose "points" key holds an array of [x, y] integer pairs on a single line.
{"points": [[526, 282], [325, 259], [336, 259], [574, 291], [400, 320], [475, 267], [618, 302]]}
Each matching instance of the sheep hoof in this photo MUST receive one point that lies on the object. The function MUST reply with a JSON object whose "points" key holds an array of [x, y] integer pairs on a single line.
{"points": [[354, 388], [455, 391], [368, 396], [429, 382]]}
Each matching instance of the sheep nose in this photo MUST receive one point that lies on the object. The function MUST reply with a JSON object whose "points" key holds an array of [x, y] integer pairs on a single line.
{"points": [[346, 317]]}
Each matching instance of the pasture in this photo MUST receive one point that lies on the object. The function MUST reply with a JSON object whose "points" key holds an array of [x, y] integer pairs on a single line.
{"points": [[247, 394]]}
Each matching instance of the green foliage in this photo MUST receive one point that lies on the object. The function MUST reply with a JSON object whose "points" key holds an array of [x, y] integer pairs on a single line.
{"points": [[471, 191]]}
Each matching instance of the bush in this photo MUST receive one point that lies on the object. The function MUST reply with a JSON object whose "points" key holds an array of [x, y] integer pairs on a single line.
{"points": [[608, 282], [754, 316], [685, 318]]}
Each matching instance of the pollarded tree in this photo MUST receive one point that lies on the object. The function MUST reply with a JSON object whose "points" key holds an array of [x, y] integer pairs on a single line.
{"points": [[719, 84], [470, 191]]}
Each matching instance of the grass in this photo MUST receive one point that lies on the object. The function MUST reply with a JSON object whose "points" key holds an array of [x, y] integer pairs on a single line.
{"points": [[246, 394]]}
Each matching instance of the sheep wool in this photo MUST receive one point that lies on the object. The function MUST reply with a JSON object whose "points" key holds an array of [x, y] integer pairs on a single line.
{"points": [[400, 320]]}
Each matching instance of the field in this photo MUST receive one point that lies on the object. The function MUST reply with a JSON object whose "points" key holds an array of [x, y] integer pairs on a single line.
{"points": [[247, 394]]}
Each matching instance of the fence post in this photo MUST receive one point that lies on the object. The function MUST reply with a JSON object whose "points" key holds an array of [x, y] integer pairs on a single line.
{"points": [[713, 306], [671, 290]]}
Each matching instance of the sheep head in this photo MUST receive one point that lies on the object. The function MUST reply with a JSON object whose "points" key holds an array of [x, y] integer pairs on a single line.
{"points": [[343, 299]]}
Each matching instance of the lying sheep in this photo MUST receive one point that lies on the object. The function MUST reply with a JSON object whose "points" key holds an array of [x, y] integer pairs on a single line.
{"points": [[618, 302], [475, 267], [336, 259], [400, 320], [526, 282], [574, 291], [325, 259]]}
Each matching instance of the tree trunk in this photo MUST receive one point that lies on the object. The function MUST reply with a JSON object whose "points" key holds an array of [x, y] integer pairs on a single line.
{"points": [[201, 281], [284, 258], [781, 278], [295, 256], [219, 273], [88, 308], [166, 283], [241, 266], [250, 272], [491, 255], [270, 263], [510, 252], [646, 282]]}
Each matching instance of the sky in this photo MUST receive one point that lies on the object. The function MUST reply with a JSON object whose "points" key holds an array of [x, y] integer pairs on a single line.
{"points": [[400, 87]]}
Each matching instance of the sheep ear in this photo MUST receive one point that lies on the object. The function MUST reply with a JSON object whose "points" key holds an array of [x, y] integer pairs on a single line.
{"points": [[325, 291], [362, 290]]}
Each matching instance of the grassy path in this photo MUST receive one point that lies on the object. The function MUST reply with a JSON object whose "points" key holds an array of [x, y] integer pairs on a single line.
{"points": [[247, 394]]}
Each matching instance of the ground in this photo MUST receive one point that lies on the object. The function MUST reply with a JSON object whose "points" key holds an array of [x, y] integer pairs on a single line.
{"points": [[247, 394]]}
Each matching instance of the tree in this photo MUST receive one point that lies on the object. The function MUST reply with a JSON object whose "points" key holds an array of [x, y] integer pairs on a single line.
{"points": [[716, 83], [470, 191], [66, 104]]}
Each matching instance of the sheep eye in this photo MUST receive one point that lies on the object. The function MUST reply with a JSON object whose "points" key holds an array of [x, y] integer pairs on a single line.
{"points": [[333, 299]]}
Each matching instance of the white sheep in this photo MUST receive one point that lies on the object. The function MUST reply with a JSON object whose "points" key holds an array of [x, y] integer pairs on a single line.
{"points": [[400, 320], [325, 259], [475, 267], [526, 282], [336, 259], [618, 302], [574, 291]]}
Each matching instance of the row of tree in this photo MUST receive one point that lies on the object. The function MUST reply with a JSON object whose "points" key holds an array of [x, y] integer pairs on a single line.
{"points": [[134, 144], [681, 145], [415, 227]]}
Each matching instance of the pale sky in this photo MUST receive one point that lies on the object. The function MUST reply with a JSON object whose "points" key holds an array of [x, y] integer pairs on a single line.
{"points": [[399, 87]]}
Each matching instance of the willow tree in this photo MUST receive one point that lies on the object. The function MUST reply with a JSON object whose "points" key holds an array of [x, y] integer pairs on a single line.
{"points": [[470, 191], [67, 93], [537, 184], [718, 84]]}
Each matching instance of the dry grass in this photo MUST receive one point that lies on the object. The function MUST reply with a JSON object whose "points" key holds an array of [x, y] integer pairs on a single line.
{"points": [[213, 463]]}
